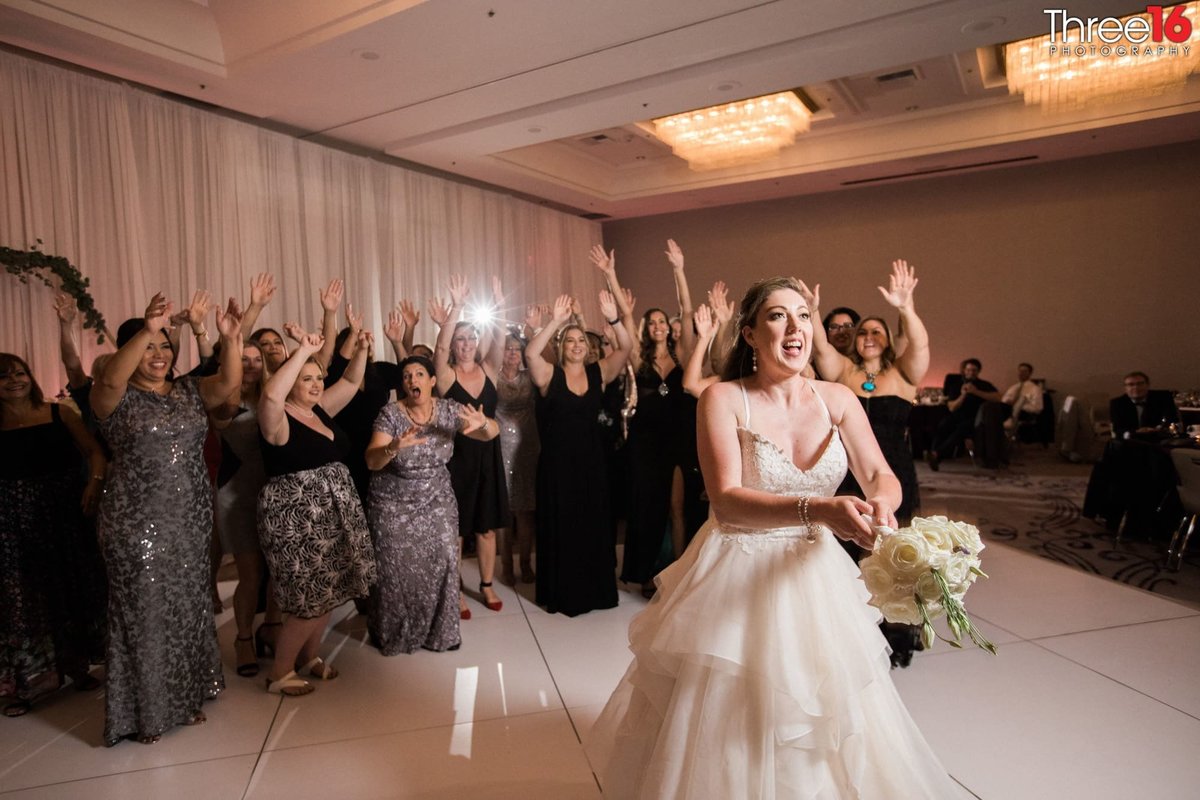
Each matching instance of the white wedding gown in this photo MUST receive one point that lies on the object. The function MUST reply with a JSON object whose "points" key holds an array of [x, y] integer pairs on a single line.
{"points": [[759, 670]]}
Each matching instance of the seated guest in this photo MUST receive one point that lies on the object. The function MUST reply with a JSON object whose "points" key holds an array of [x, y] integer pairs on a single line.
{"points": [[966, 394], [1141, 409], [1023, 397]]}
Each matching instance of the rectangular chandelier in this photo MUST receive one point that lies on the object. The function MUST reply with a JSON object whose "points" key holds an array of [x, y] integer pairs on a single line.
{"points": [[735, 133], [1106, 60]]}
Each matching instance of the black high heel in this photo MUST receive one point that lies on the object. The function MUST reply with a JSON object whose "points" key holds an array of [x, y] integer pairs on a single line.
{"points": [[264, 647], [245, 649]]}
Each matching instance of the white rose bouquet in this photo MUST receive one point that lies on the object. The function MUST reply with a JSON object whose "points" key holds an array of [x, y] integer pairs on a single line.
{"points": [[920, 572]]}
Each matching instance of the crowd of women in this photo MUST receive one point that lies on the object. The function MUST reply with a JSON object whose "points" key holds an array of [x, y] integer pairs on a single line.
{"points": [[325, 490]]}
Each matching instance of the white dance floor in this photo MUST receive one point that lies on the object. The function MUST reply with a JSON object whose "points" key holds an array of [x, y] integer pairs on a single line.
{"points": [[1094, 694]]}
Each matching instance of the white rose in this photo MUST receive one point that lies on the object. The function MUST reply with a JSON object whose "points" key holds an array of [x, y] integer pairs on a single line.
{"points": [[878, 580], [906, 553], [936, 530], [957, 571], [966, 536], [904, 611], [928, 590]]}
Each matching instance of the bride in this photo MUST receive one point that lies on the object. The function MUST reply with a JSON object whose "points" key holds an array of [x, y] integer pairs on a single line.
{"points": [[759, 670]]}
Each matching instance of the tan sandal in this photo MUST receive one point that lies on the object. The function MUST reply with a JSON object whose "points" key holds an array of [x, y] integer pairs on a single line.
{"points": [[290, 685], [319, 670]]}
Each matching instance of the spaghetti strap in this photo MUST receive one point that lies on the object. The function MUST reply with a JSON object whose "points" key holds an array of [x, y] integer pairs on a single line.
{"points": [[824, 408], [746, 403]]}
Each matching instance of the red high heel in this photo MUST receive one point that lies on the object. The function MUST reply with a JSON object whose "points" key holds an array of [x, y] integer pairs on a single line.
{"points": [[463, 611], [494, 605]]}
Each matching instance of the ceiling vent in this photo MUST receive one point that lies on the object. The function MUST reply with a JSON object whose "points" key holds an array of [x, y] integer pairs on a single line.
{"points": [[940, 170], [595, 215]]}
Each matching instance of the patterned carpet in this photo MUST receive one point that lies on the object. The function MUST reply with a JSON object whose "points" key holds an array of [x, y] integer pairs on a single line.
{"points": [[1035, 505]]}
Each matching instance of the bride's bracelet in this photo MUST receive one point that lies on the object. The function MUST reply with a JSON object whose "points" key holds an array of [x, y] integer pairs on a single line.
{"points": [[802, 510]]}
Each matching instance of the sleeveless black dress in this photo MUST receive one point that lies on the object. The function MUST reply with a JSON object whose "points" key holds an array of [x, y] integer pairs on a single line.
{"points": [[477, 469], [576, 556], [888, 416]]}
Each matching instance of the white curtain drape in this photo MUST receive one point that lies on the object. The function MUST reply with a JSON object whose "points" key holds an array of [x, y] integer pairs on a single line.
{"points": [[144, 194]]}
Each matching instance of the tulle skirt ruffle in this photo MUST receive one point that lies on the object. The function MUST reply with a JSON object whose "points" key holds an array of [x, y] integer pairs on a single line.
{"points": [[759, 671]]}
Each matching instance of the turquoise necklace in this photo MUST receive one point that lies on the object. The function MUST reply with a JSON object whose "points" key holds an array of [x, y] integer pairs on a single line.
{"points": [[869, 384]]}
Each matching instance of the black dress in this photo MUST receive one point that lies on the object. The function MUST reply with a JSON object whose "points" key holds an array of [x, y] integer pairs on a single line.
{"points": [[477, 470], [651, 453], [575, 548], [888, 416], [51, 574], [357, 418]]}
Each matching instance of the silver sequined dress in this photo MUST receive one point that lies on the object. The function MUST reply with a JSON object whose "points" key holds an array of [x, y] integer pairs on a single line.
{"points": [[413, 517], [518, 439], [155, 523]]}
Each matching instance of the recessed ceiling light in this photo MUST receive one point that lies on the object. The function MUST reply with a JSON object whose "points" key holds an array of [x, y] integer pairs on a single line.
{"points": [[981, 25], [365, 55], [726, 86], [535, 129]]}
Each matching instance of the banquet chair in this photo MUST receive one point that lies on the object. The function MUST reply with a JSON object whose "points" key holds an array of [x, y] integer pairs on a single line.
{"points": [[1187, 466]]}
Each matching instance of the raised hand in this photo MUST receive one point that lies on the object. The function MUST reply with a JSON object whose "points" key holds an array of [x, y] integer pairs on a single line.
{"points": [[394, 330], [410, 313], [722, 306], [195, 313], [331, 295], [262, 289], [459, 290], [439, 311], [562, 308], [355, 321], [64, 307], [294, 332], [630, 300], [310, 343], [706, 326], [365, 339], [608, 305], [576, 307], [472, 418], [229, 321], [902, 282], [811, 296], [674, 254], [533, 316], [158, 313], [497, 292], [605, 262]]}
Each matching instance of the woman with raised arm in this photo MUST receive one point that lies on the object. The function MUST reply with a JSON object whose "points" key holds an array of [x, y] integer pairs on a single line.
{"points": [[519, 444], [53, 620], [575, 548], [656, 446], [758, 668], [885, 384], [239, 480], [414, 515], [477, 468], [310, 521], [154, 527]]}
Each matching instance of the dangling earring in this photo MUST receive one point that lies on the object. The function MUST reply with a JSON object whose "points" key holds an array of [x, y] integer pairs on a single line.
{"points": [[754, 361]]}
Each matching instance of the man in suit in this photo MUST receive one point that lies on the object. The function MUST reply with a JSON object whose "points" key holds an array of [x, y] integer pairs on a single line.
{"points": [[1141, 410]]}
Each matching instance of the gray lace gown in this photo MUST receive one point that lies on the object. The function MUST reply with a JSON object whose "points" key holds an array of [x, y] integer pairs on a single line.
{"points": [[155, 522], [519, 442], [413, 517]]}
